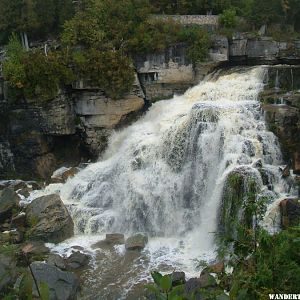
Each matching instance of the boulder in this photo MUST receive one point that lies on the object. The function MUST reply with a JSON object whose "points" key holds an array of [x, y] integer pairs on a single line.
{"points": [[178, 278], [7, 270], [35, 248], [63, 174], [290, 212], [57, 261], [136, 242], [12, 236], [206, 280], [77, 260], [62, 285], [49, 220], [115, 239], [8, 200], [19, 221], [194, 285]]}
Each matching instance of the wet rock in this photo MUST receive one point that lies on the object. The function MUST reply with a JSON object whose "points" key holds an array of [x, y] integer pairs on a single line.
{"points": [[57, 261], [62, 285], [5, 237], [78, 248], [77, 260], [19, 221], [7, 270], [191, 286], [136, 242], [16, 236], [286, 171], [49, 220], [290, 212], [63, 174], [258, 164], [206, 280], [217, 267], [8, 200], [178, 278], [35, 248], [25, 192], [115, 239]]}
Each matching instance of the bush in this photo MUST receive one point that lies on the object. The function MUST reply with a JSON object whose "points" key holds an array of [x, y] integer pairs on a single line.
{"points": [[154, 36], [109, 70], [228, 18], [34, 75], [198, 41]]}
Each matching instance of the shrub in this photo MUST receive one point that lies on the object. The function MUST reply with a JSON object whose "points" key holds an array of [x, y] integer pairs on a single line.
{"points": [[228, 18], [109, 70], [198, 41]]}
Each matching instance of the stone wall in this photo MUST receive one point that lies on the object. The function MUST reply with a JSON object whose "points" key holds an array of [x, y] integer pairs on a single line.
{"points": [[202, 20]]}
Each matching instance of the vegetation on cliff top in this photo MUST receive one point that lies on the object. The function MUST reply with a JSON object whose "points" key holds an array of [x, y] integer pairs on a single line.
{"points": [[98, 44]]}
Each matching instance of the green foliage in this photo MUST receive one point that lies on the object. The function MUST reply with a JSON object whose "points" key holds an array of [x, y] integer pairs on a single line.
{"points": [[33, 73], [198, 42], [44, 74], [25, 289], [154, 35], [82, 30], [273, 268], [34, 17], [228, 18], [13, 67], [110, 70], [163, 289], [44, 291]]}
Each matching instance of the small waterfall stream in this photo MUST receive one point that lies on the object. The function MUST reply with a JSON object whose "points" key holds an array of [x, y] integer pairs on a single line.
{"points": [[165, 174]]}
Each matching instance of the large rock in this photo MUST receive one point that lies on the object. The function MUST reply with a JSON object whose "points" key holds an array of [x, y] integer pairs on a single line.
{"points": [[49, 219], [136, 242], [62, 285], [290, 212], [114, 238], [7, 270], [63, 174], [77, 260], [8, 200]]}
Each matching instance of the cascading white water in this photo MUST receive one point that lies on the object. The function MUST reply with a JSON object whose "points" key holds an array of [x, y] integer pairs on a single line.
{"points": [[164, 175]]}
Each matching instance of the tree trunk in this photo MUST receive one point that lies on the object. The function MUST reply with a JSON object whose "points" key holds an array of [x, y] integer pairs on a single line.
{"points": [[24, 38]]}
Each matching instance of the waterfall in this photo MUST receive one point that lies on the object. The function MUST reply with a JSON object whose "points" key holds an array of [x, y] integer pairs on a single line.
{"points": [[165, 174]]}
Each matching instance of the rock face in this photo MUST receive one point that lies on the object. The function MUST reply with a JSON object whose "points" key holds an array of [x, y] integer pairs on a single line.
{"points": [[170, 72], [290, 212], [136, 242], [37, 137], [99, 115], [49, 220], [281, 104], [62, 285], [249, 49]]}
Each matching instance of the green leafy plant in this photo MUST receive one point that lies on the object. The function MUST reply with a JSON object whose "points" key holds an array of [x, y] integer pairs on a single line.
{"points": [[163, 289]]}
